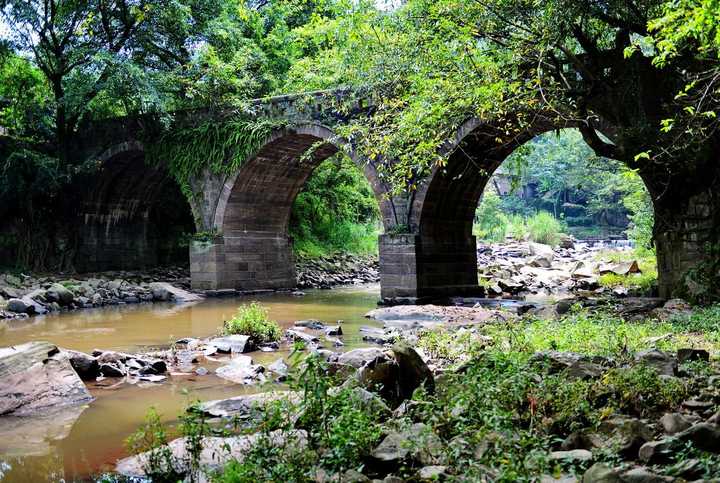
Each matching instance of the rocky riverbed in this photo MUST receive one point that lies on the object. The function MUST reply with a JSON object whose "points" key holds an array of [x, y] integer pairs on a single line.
{"points": [[640, 435], [22, 295]]}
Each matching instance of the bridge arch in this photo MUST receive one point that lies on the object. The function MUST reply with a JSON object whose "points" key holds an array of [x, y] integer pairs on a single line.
{"points": [[253, 249], [441, 247], [133, 216]]}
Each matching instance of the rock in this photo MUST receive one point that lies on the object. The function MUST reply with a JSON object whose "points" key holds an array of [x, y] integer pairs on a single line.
{"points": [[685, 355], [358, 357], [601, 473], [663, 362], [333, 330], [432, 473], [216, 453], [60, 294], [244, 407], [655, 452], [704, 436], [584, 370], [643, 475], [418, 442], [310, 324], [201, 371], [36, 377], [298, 335], [572, 456], [160, 293], [381, 375], [539, 249], [85, 365], [695, 405], [674, 423], [177, 293], [241, 370], [413, 372], [354, 476], [236, 344], [279, 367], [18, 306], [621, 268], [625, 435], [111, 370]]}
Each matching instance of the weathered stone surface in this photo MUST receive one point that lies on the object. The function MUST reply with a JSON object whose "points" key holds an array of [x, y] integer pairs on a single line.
{"points": [[663, 362], [279, 367], [60, 294], [674, 423], [358, 357], [245, 406], [18, 305], [299, 335], [241, 370], [216, 452], [643, 475], [685, 355], [418, 442], [37, 376], [232, 344], [601, 473], [660, 451], [85, 365], [575, 456], [413, 372], [704, 436]]}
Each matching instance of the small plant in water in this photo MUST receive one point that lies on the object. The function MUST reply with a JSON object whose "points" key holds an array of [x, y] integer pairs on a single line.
{"points": [[252, 320], [151, 440]]}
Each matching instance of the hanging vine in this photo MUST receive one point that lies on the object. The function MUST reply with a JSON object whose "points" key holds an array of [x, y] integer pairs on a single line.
{"points": [[219, 145]]}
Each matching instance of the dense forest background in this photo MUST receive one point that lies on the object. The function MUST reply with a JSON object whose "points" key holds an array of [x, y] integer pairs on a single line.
{"points": [[65, 64]]}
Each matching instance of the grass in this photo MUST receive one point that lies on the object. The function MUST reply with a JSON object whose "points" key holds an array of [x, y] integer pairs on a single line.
{"points": [[345, 237], [252, 320], [497, 409], [542, 227], [647, 262]]}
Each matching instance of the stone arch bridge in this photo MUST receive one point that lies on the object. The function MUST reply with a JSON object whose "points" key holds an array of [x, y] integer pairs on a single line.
{"points": [[427, 248]]}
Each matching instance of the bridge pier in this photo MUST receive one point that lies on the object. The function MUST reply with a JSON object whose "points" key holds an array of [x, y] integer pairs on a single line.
{"points": [[418, 266], [247, 261]]}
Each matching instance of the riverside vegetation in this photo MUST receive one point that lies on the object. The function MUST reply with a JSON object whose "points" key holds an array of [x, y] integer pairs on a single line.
{"points": [[604, 399]]}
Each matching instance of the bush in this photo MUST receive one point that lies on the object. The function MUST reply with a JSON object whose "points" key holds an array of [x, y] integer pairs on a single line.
{"points": [[544, 228], [252, 320]]}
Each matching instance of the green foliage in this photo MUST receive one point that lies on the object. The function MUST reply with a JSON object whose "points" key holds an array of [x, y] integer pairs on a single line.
{"points": [[151, 438], [252, 320], [219, 146], [490, 223], [541, 227], [544, 228], [335, 211]]}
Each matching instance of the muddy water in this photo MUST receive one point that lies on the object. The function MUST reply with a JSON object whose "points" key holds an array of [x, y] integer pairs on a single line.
{"points": [[81, 443]]}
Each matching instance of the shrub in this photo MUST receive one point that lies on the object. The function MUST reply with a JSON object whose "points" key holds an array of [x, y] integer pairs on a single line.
{"points": [[252, 320], [544, 228], [151, 437]]}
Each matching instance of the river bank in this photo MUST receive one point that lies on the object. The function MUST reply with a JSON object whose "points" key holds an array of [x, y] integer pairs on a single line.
{"points": [[23, 295]]}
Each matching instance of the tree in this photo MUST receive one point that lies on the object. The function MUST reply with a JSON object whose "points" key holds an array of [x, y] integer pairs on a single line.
{"points": [[80, 45]]}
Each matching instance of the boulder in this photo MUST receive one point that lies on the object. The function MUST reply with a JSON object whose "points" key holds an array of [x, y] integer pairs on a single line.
{"points": [[280, 368], [333, 330], [313, 324], [236, 344], [18, 306], [241, 370], [216, 453], [85, 365], [621, 268], [685, 355], [601, 473], [417, 442], [655, 452], [60, 294], [35, 377], [704, 436], [298, 335], [381, 375], [674, 423], [358, 357], [243, 407], [663, 362], [572, 456], [643, 475], [412, 371]]}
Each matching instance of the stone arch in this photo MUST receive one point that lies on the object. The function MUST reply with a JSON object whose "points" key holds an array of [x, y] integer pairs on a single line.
{"points": [[252, 213], [443, 249], [132, 214]]}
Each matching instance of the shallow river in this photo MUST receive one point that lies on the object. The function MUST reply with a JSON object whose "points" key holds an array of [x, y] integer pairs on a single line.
{"points": [[78, 444]]}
